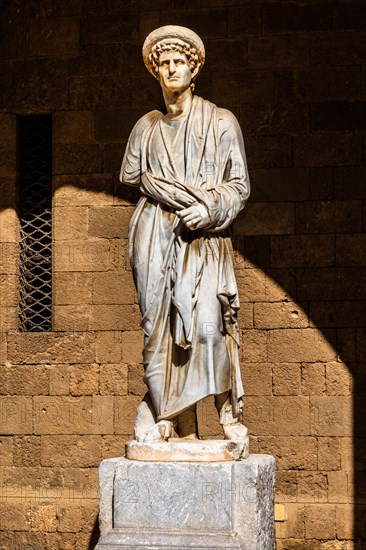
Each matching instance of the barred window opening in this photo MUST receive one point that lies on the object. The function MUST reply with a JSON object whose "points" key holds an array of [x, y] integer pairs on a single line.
{"points": [[35, 214]]}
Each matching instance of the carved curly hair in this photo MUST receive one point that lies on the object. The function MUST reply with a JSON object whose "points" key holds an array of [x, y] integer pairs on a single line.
{"points": [[174, 45]]}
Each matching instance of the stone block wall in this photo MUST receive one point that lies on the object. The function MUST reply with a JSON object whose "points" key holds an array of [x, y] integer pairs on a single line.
{"points": [[294, 74]]}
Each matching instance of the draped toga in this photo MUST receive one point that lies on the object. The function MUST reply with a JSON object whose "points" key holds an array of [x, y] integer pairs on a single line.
{"points": [[185, 278]]}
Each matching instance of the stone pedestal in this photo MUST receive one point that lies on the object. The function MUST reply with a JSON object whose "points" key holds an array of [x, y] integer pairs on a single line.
{"points": [[187, 505]]}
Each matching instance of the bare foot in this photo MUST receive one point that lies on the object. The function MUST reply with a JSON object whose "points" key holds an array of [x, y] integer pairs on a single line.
{"points": [[161, 431], [235, 432]]}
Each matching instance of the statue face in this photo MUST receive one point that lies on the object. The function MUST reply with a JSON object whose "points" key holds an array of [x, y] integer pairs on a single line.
{"points": [[174, 72]]}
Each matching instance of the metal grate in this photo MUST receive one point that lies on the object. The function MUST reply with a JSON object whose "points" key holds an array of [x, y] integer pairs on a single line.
{"points": [[35, 213]]}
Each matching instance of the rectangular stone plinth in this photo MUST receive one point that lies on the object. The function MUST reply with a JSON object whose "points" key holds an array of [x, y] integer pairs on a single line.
{"points": [[187, 505]]}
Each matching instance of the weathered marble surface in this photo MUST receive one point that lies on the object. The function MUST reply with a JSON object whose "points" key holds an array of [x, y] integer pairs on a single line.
{"points": [[160, 505]]}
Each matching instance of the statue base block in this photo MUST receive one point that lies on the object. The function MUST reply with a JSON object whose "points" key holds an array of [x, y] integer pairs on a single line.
{"points": [[188, 450], [187, 505]]}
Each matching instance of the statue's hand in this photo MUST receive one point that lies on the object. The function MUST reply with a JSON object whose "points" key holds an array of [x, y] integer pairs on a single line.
{"points": [[195, 216]]}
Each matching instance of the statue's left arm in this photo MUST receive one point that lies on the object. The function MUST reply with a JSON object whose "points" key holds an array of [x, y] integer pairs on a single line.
{"points": [[228, 196]]}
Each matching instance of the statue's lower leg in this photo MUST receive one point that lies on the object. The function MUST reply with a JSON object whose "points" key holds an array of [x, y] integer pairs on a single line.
{"points": [[146, 428], [233, 428]]}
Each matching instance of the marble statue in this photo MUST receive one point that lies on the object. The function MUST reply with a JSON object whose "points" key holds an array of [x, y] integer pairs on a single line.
{"points": [[191, 168]]}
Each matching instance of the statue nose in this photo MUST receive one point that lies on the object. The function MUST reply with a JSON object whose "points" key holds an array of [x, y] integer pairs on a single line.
{"points": [[172, 67]]}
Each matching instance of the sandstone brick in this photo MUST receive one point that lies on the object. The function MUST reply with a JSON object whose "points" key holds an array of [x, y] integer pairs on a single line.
{"points": [[308, 17], [257, 378], [263, 218], [109, 347], [280, 285], [208, 420], [17, 540], [276, 118], [361, 344], [73, 415], [71, 451], [286, 379], [84, 379], [291, 452], [7, 129], [8, 258], [132, 346], [136, 384], [6, 451], [112, 157], [14, 516], [349, 182], [113, 379], [312, 487], [16, 415], [68, 519], [331, 416], [293, 527], [113, 446], [243, 20], [345, 522], [9, 226], [9, 290], [313, 379], [116, 125], [278, 51], [317, 83], [251, 251], [59, 380], [72, 288], [254, 346], [327, 149], [108, 31], [89, 519], [329, 453], [210, 18], [111, 317], [33, 93], [9, 320], [302, 251], [321, 183], [3, 346], [92, 93], [338, 487], [85, 255], [252, 285], [124, 414], [351, 250], [235, 88], [38, 347], [286, 486], [109, 222], [331, 284], [339, 379], [269, 151], [68, 7], [27, 451], [25, 380], [346, 48], [245, 316], [70, 223], [329, 217], [96, 60], [338, 314], [43, 517], [280, 184], [54, 37], [346, 344], [110, 288], [348, 454], [280, 315], [338, 116], [277, 415], [73, 127], [297, 345], [320, 521], [78, 158], [83, 190], [8, 161], [71, 318]]}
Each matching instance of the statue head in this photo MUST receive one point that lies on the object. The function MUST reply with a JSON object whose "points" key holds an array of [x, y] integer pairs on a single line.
{"points": [[173, 39]]}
